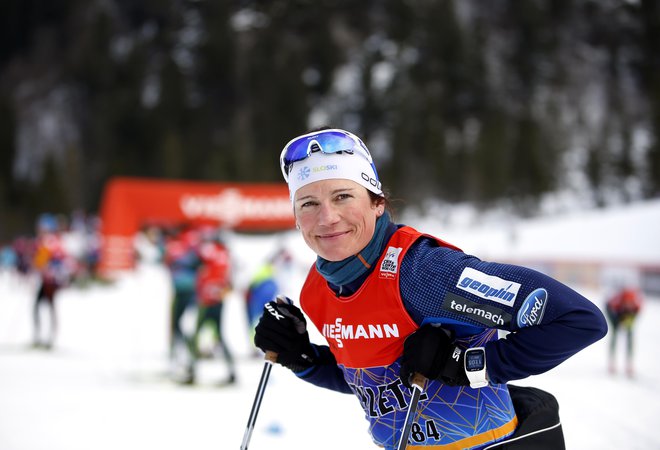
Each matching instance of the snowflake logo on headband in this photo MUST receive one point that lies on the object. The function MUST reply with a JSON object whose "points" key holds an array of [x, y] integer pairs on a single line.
{"points": [[303, 173]]}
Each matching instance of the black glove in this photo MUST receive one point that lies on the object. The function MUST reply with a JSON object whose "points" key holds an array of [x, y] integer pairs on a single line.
{"points": [[282, 329], [433, 352]]}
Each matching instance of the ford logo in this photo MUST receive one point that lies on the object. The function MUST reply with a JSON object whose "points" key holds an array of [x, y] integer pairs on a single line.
{"points": [[532, 309]]}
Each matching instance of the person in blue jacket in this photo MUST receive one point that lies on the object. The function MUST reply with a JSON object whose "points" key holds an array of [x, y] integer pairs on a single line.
{"points": [[393, 302]]}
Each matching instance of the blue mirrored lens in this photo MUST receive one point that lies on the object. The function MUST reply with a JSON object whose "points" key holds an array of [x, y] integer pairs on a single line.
{"points": [[326, 141], [329, 142]]}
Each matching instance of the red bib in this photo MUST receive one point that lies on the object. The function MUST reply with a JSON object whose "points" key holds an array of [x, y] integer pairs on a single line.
{"points": [[368, 328]]}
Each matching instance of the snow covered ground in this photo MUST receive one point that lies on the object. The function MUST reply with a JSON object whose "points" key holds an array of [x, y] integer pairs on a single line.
{"points": [[104, 385]]}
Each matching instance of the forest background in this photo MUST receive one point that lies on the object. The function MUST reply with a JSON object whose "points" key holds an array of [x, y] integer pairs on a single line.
{"points": [[524, 105]]}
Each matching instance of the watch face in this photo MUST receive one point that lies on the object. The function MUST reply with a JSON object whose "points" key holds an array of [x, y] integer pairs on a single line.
{"points": [[474, 361]]}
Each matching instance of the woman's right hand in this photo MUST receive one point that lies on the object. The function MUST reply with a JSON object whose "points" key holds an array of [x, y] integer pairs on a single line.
{"points": [[282, 329]]}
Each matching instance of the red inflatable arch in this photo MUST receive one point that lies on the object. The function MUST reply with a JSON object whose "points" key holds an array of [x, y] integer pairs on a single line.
{"points": [[130, 203]]}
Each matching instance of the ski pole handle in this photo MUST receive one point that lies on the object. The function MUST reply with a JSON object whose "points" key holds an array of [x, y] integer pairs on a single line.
{"points": [[271, 357], [417, 382]]}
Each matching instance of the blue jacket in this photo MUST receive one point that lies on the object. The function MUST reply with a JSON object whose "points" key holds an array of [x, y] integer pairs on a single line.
{"points": [[548, 321]]}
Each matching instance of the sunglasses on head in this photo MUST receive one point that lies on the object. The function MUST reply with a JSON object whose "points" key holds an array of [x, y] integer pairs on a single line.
{"points": [[325, 141]]}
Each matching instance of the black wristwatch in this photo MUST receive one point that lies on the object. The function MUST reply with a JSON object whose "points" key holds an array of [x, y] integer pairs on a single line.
{"points": [[475, 367]]}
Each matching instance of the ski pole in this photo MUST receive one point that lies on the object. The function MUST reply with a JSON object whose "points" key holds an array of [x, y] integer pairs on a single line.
{"points": [[417, 389], [270, 359]]}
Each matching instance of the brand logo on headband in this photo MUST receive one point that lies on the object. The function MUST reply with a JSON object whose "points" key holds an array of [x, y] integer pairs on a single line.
{"points": [[303, 173], [324, 168], [372, 181]]}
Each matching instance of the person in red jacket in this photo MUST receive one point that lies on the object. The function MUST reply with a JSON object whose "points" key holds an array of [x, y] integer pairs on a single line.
{"points": [[622, 310], [213, 285]]}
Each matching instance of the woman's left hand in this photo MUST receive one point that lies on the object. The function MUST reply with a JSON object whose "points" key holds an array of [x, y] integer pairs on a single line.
{"points": [[432, 351]]}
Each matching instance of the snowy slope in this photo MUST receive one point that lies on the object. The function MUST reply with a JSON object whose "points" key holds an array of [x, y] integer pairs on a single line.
{"points": [[104, 385]]}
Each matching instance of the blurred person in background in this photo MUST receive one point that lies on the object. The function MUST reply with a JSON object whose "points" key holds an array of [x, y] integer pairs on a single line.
{"points": [[265, 285], [55, 269], [213, 285], [623, 307], [82, 242], [183, 261], [24, 248], [91, 231], [9, 264], [8, 259], [392, 302]]}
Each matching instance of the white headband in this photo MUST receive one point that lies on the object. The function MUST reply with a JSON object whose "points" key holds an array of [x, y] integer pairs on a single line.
{"points": [[328, 166]]}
